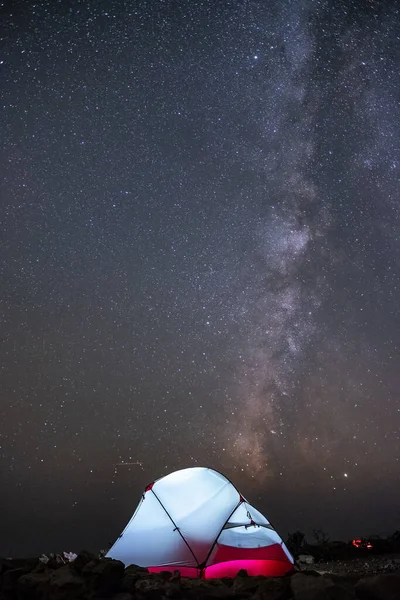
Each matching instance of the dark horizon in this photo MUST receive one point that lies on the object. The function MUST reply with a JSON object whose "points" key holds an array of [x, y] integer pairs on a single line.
{"points": [[200, 216]]}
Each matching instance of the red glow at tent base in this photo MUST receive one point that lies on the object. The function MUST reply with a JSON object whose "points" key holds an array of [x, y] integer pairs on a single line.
{"points": [[267, 568]]}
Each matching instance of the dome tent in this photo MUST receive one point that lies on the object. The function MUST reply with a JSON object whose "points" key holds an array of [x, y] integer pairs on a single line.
{"points": [[195, 521]]}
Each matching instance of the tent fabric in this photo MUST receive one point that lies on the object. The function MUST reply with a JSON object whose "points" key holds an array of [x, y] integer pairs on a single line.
{"points": [[245, 513], [195, 519]]}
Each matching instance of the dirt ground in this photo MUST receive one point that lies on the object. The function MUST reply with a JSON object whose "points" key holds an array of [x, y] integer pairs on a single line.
{"points": [[366, 565]]}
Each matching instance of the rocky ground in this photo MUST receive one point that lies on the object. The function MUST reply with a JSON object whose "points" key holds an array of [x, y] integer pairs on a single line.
{"points": [[92, 578], [367, 565]]}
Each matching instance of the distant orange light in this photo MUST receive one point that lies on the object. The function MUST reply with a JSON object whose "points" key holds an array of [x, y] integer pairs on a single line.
{"points": [[362, 544]]}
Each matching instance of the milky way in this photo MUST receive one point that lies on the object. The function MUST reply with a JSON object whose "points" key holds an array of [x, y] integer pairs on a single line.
{"points": [[285, 288], [200, 260]]}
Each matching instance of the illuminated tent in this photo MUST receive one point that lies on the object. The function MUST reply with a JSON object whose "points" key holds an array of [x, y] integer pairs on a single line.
{"points": [[195, 521]]}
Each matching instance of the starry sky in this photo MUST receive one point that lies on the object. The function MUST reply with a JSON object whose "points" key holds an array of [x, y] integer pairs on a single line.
{"points": [[200, 261]]}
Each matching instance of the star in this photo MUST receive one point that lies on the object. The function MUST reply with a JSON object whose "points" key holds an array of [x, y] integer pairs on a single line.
{"points": [[200, 260]]}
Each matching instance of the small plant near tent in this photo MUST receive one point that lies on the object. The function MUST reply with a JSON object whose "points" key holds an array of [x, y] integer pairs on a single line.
{"points": [[296, 542], [322, 549], [321, 537]]}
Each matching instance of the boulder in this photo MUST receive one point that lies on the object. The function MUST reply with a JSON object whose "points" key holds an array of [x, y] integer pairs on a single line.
{"points": [[151, 588], [211, 589], [379, 587], [9, 580], [320, 587], [163, 575], [34, 585], [55, 562], [130, 576], [228, 581], [122, 596], [41, 568], [65, 584], [5, 565], [174, 589], [274, 588], [305, 559], [82, 560], [244, 583], [104, 576], [156, 585], [22, 563], [242, 573]]}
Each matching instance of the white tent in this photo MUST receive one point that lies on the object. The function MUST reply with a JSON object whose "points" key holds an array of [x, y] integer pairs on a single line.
{"points": [[195, 521]]}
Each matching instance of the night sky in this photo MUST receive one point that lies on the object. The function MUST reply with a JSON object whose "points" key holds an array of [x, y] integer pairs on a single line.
{"points": [[200, 261]]}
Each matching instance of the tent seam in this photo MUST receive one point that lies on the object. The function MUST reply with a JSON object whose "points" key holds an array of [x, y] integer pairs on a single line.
{"points": [[220, 531]]}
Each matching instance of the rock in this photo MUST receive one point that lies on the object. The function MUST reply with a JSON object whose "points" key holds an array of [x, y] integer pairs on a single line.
{"points": [[274, 588], [41, 568], [228, 581], [174, 585], [157, 585], [349, 579], [23, 563], [82, 560], [5, 565], [310, 572], [92, 578], [65, 584], [242, 573], [163, 575], [211, 589], [306, 559], [10, 579], [139, 571], [131, 575], [151, 588], [122, 596], [34, 585], [379, 587], [55, 562], [246, 584], [323, 587], [104, 576]]}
